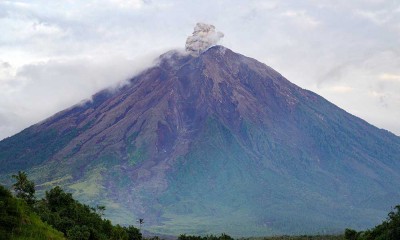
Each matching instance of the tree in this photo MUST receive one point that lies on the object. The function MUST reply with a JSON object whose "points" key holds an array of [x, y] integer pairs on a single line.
{"points": [[350, 234], [100, 210], [10, 213], [24, 188], [57, 199], [208, 237], [119, 233], [387, 230], [133, 233], [140, 221], [78, 233], [225, 237]]}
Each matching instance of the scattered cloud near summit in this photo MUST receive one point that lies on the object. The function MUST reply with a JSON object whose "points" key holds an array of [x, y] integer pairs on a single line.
{"points": [[56, 53]]}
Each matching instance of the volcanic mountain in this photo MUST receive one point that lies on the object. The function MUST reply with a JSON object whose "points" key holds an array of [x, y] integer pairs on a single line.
{"points": [[214, 143]]}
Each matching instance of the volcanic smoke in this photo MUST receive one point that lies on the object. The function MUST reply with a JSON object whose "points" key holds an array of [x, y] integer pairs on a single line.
{"points": [[203, 37]]}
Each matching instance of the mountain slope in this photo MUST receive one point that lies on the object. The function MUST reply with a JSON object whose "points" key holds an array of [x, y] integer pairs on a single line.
{"points": [[215, 143]]}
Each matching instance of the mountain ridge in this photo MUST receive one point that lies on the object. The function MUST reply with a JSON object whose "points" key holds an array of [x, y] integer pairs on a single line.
{"points": [[194, 140]]}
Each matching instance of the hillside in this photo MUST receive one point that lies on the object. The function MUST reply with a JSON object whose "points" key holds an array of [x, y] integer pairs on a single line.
{"points": [[18, 222]]}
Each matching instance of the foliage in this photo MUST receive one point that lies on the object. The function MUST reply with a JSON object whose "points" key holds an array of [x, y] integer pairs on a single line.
{"points": [[24, 188], [118, 233], [302, 237], [79, 221], [78, 233], [133, 233], [125, 233], [208, 237], [17, 221], [350, 234], [10, 213], [56, 216], [152, 238], [388, 230]]}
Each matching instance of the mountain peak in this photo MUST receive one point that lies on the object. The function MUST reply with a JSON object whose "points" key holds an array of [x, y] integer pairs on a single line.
{"points": [[175, 59], [214, 137]]}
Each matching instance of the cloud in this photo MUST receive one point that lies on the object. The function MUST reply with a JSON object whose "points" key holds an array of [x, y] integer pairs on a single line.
{"points": [[341, 89], [301, 19], [135, 4], [5, 69], [377, 17], [389, 77], [37, 91], [4, 65]]}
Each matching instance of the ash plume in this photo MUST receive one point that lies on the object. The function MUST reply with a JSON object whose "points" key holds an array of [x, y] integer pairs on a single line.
{"points": [[203, 37]]}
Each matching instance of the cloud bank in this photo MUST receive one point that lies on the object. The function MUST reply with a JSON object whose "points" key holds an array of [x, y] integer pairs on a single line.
{"points": [[38, 90]]}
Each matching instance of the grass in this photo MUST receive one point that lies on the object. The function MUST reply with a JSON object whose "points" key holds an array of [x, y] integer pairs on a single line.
{"points": [[33, 228], [90, 187], [19, 221]]}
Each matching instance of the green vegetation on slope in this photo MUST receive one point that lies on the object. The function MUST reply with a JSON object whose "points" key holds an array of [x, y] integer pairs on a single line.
{"points": [[227, 237], [388, 230], [302, 237], [56, 216], [18, 221], [208, 237], [30, 148]]}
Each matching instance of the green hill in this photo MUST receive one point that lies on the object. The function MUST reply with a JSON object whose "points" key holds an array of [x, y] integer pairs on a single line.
{"points": [[55, 216], [18, 221]]}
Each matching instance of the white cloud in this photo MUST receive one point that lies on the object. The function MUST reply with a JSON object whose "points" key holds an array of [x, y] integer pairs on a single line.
{"points": [[390, 77], [301, 19], [37, 91], [5, 70], [377, 17], [341, 89], [135, 4]]}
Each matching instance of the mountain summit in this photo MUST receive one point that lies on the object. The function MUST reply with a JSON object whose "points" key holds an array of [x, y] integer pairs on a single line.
{"points": [[213, 143]]}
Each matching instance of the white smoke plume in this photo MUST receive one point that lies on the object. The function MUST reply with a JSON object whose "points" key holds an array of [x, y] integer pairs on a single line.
{"points": [[204, 36]]}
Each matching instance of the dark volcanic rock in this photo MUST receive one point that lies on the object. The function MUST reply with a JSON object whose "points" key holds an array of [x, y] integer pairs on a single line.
{"points": [[215, 143]]}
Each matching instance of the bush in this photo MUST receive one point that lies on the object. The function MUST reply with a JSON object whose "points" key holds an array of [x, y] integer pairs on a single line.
{"points": [[10, 213]]}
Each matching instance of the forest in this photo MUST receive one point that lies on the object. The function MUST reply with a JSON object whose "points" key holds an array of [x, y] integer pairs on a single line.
{"points": [[56, 216]]}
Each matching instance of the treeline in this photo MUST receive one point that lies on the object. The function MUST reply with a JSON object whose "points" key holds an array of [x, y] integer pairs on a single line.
{"points": [[301, 237], [388, 230], [208, 237], [59, 210]]}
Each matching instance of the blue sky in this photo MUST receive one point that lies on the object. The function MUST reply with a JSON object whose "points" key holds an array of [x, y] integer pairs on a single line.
{"points": [[54, 54]]}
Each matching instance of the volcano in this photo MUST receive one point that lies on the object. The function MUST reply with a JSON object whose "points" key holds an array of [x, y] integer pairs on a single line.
{"points": [[210, 143]]}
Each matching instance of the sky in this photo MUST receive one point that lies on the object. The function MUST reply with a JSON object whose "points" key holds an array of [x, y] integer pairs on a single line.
{"points": [[54, 54]]}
